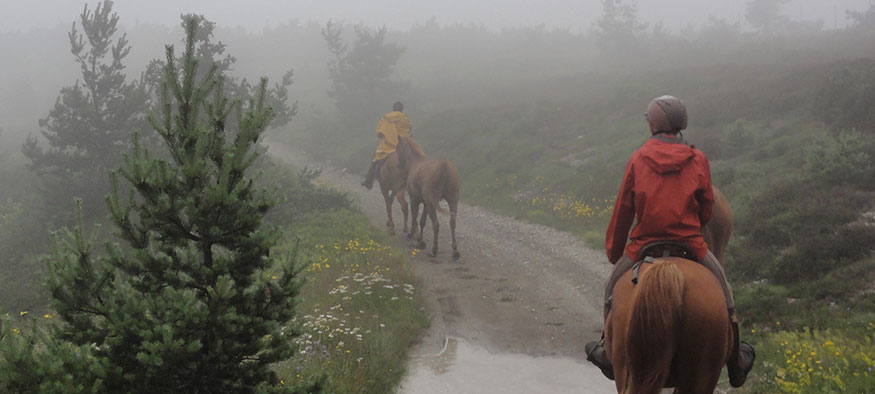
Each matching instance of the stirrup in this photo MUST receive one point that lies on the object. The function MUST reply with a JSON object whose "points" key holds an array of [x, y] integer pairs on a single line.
{"points": [[737, 374], [595, 353]]}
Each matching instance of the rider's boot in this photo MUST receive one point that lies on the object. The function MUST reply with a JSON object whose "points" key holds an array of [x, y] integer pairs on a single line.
{"points": [[595, 353], [740, 361], [369, 179]]}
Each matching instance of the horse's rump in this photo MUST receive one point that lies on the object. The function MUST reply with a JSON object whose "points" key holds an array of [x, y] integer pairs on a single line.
{"points": [[446, 185], [656, 313], [669, 330]]}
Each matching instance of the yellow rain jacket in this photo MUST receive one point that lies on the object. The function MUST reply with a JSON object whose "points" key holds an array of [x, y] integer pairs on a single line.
{"points": [[391, 126]]}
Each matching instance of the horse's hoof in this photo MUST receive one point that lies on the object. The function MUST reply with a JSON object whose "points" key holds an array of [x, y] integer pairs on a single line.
{"points": [[391, 232], [420, 245], [433, 253], [456, 255]]}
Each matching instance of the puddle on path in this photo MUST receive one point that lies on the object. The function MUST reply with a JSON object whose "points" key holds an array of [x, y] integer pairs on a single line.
{"points": [[468, 369]]}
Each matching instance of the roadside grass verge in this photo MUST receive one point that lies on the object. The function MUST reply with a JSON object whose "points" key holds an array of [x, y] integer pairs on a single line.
{"points": [[815, 361], [812, 337], [360, 310]]}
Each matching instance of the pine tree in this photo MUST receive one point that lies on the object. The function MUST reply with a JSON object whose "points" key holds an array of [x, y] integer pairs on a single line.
{"points": [[91, 123], [619, 28], [210, 53], [195, 303], [361, 83], [865, 19], [765, 15]]}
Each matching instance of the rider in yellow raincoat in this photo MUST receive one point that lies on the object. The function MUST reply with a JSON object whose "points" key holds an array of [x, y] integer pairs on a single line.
{"points": [[390, 127]]}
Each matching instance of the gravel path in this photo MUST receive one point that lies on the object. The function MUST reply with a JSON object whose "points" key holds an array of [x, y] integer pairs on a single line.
{"points": [[518, 288]]}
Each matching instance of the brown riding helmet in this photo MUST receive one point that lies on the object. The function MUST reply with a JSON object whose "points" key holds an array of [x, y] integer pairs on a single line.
{"points": [[666, 114]]}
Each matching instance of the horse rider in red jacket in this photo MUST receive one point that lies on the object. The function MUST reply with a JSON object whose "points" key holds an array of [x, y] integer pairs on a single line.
{"points": [[667, 187]]}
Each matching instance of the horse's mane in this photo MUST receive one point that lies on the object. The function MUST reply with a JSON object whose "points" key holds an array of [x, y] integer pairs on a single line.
{"points": [[416, 150]]}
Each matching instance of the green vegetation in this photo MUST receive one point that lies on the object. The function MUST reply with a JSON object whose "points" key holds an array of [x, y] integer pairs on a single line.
{"points": [[815, 361], [90, 122], [360, 308], [185, 307], [204, 297]]}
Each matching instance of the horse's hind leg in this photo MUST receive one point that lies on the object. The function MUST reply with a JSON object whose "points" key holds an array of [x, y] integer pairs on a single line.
{"points": [[453, 210], [435, 226], [414, 214], [421, 243], [698, 371], [390, 223]]}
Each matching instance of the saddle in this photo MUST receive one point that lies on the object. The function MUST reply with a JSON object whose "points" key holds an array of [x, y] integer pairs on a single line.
{"points": [[656, 250], [666, 249]]}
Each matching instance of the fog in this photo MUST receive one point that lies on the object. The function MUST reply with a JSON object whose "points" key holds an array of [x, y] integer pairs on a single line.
{"points": [[574, 15], [537, 103]]}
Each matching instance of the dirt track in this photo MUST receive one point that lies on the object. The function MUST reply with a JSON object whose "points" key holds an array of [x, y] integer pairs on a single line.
{"points": [[518, 287]]}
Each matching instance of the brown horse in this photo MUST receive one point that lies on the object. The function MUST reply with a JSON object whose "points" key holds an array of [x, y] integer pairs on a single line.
{"points": [[669, 330], [672, 328], [393, 185], [428, 182], [718, 230]]}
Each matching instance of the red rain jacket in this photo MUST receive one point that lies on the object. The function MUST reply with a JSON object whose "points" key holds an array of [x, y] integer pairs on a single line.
{"points": [[667, 188]]}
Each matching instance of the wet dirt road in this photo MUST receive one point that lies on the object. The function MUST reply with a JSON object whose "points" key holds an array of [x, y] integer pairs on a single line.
{"points": [[511, 316]]}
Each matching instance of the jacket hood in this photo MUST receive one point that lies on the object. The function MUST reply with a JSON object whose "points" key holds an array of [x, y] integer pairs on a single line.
{"points": [[665, 155]]}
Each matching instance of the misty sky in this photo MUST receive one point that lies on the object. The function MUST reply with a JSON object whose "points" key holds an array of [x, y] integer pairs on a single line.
{"points": [[576, 15]]}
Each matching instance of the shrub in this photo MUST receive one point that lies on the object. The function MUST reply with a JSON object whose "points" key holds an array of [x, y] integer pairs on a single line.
{"points": [[839, 159]]}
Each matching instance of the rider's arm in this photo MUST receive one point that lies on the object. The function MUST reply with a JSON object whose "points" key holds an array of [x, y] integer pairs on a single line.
{"points": [[621, 219]]}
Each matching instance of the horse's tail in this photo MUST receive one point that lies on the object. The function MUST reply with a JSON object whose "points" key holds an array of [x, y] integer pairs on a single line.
{"points": [[653, 327], [446, 185]]}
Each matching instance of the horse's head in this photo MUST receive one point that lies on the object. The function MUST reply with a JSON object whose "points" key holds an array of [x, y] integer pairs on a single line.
{"points": [[408, 152]]}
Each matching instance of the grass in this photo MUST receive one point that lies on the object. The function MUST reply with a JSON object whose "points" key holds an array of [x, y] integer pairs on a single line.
{"points": [[360, 310], [814, 361]]}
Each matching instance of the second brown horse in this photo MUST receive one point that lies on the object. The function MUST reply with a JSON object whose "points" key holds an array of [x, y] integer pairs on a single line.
{"points": [[428, 182]]}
